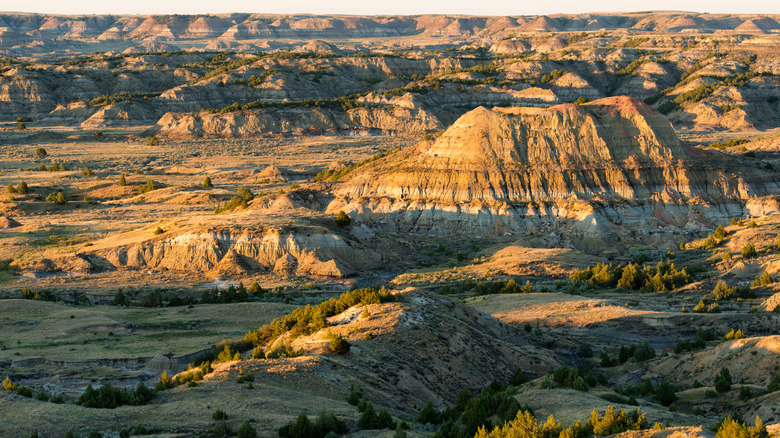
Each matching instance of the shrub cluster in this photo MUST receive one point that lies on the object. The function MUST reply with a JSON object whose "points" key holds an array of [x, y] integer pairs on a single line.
{"points": [[326, 423], [722, 291], [109, 397], [774, 382], [663, 277], [56, 198], [342, 220], [194, 373], [370, 419], [307, 320], [495, 402], [703, 307], [21, 188], [731, 428], [41, 295], [148, 186], [763, 280], [525, 425], [337, 174], [242, 199], [572, 378], [509, 286], [730, 143], [638, 352], [749, 251], [698, 343], [26, 391], [732, 335], [552, 76], [233, 294], [55, 167], [337, 344]]}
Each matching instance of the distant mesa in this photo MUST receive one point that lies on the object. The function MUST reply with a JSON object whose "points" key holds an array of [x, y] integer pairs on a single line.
{"points": [[22, 28], [616, 147], [578, 174]]}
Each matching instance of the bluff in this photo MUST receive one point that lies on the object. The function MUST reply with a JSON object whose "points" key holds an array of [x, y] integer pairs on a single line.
{"points": [[608, 167]]}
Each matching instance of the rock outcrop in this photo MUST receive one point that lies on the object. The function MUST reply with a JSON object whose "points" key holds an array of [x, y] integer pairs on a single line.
{"points": [[232, 251], [608, 168], [8, 222], [19, 28], [387, 120]]}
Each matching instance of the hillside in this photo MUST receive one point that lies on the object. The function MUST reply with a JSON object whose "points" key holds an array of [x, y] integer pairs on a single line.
{"points": [[595, 170]]}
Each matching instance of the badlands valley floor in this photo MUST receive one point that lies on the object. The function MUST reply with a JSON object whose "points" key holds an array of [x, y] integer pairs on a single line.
{"points": [[422, 226]]}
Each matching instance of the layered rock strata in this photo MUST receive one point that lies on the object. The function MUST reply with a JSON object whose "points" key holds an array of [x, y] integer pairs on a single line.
{"points": [[608, 168]]}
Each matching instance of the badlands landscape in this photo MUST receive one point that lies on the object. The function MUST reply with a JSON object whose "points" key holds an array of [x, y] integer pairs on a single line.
{"points": [[246, 225]]}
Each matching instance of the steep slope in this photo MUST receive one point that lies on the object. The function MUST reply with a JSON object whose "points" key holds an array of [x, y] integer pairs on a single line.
{"points": [[617, 148], [456, 347], [389, 119], [599, 166]]}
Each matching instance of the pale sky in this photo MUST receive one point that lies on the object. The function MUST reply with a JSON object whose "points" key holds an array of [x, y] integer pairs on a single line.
{"points": [[386, 7]]}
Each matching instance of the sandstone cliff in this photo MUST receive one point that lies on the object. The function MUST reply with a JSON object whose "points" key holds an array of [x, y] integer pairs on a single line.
{"points": [[234, 250], [386, 119], [608, 168]]}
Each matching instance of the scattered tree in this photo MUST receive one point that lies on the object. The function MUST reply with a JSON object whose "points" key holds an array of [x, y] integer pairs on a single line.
{"points": [[120, 299], [165, 382], [518, 378], [585, 350], [246, 431], [732, 335], [342, 220], [749, 251], [148, 186], [258, 353], [57, 198], [219, 415], [774, 382], [764, 279], [338, 344], [731, 428], [665, 394], [723, 380]]}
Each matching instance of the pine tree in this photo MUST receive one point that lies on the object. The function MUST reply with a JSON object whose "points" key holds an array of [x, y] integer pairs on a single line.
{"points": [[723, 380], [749, 251], [631, 278], [246, 430], [342, 219]]}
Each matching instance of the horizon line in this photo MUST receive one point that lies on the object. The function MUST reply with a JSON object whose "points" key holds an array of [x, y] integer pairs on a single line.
{"points": [[657, 11]]}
